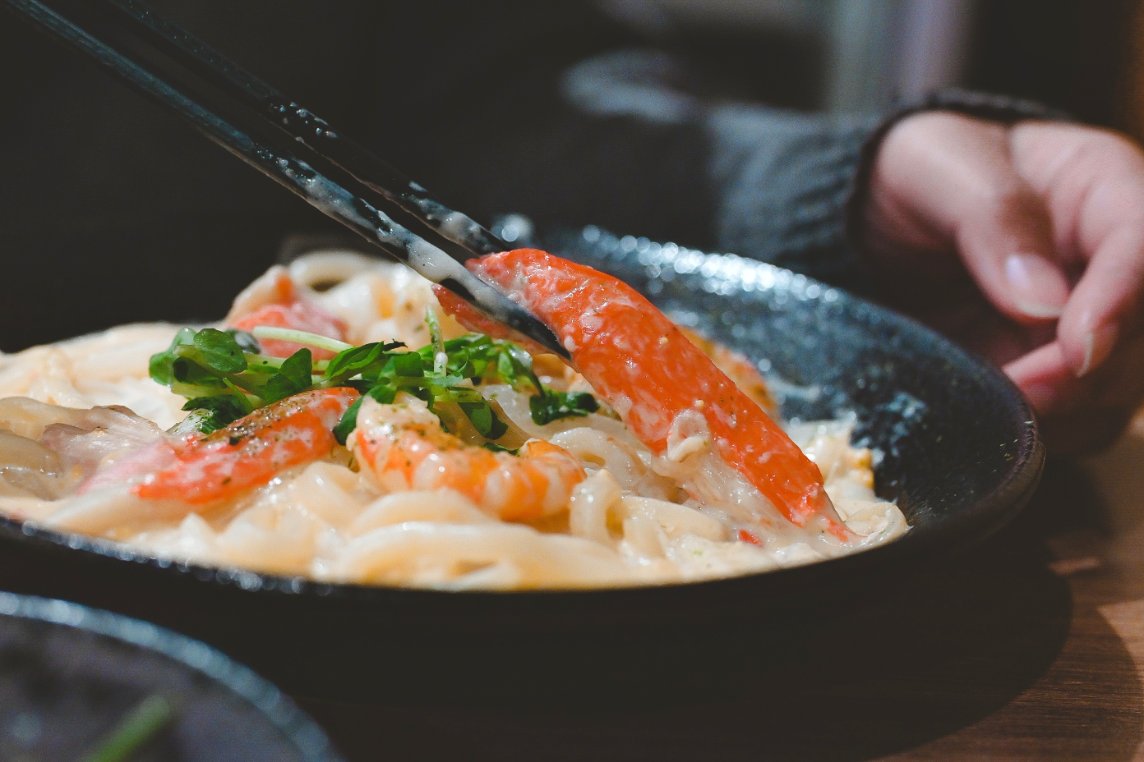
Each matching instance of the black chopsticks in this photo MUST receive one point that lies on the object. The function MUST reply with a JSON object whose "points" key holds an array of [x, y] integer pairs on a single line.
{"points": [[287, 143]]}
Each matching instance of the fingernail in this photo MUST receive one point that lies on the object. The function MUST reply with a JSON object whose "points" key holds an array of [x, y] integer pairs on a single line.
{"points": [[1039, 289], [1040, 311], [1097, 347]]}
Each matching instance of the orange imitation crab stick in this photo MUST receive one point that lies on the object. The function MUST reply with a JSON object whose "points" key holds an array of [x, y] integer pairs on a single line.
{"points": [[644, 366], [253, 450]]}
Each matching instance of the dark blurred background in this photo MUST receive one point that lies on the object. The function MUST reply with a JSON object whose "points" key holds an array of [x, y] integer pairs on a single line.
{"points": [[113, 211]]}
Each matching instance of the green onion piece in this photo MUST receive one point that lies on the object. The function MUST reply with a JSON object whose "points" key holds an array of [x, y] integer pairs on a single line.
{"points": [[139, 726], [304, 338], [440, 357]]}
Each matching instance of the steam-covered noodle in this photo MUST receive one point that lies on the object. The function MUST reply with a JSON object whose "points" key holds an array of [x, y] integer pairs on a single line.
{"points": [[80, 420]]}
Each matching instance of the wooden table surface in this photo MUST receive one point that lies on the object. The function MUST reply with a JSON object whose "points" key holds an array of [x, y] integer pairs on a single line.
{"points": [[1030, 646]]}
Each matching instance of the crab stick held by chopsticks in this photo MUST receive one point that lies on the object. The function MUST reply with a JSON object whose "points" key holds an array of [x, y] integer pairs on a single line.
{"points": [[650, 373]]}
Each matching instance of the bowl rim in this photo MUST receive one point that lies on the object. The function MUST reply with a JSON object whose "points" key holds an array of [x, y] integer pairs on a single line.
{"points": [[268, 701]]}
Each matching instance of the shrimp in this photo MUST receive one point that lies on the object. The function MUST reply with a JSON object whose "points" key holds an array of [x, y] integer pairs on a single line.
{"points": [[650, 373], [275, 300], [402, 446], [251, 451]]}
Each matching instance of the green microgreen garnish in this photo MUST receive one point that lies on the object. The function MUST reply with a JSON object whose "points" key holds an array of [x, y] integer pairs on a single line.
{"points": [[225, 376], [551, 405]]}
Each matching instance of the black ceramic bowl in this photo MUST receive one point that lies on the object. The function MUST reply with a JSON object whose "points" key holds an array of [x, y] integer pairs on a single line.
{"points": [[958, 450], [72, 676]]}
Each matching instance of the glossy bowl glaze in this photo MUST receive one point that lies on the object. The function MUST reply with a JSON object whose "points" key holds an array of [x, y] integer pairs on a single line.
{"points": [[71, 675], [957, 448]]}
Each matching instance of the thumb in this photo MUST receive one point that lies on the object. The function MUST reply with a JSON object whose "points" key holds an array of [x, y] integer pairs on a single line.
{"points": [[1004, 236]]}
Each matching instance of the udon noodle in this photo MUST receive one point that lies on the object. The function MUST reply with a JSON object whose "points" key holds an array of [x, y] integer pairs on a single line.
{"points": [[74, 410]]}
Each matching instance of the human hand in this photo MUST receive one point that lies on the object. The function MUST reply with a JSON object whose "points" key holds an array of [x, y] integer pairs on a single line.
{"points": [[1025, 243]]}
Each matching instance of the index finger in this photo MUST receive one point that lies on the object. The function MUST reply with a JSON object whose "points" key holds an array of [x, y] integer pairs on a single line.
{"points": [[1093, 182]]}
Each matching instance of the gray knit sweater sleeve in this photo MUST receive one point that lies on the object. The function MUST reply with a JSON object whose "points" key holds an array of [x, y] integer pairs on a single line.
{"points": [[783, 183]]}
